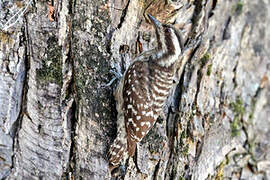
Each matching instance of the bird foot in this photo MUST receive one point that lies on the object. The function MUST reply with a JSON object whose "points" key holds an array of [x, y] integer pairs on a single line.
{"points": [[117, 75]]}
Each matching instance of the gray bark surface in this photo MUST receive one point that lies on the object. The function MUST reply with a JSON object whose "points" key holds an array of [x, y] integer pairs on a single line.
{"points": [[58, 119]]}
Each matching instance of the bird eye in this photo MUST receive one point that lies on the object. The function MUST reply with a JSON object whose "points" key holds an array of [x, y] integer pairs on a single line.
{"points": [[167, 30]]}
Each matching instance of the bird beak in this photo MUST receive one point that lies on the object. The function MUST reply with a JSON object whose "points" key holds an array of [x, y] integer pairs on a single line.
{"points": [[155, 21]]}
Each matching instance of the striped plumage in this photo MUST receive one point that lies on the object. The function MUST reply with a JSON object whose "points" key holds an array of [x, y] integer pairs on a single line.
{"points": [[143, 91]]}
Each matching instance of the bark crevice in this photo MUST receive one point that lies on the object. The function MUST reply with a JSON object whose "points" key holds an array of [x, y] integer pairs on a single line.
{"points": [[60, 121]]}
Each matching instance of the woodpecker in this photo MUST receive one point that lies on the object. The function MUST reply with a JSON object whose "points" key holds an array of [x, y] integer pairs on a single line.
{"points": [[143, 91]]}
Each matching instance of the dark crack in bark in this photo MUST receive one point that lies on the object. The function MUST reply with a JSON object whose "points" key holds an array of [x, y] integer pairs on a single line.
{"points": [[124, 12]]}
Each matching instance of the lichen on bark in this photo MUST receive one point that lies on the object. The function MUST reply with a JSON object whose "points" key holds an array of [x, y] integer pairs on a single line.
{"points": [[58, 119]]}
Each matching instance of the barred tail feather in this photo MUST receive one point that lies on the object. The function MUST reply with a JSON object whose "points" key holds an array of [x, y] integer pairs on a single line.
{"points": [[117, 152]]}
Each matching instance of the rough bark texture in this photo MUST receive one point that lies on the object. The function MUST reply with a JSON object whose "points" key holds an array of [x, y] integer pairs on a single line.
{"points": [[58, 119]]}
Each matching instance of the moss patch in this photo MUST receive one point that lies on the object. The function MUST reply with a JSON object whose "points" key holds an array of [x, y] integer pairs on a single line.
{"points": [[220, 170], [182, 147], [252, 110], [51, 71], [238, 8], [238, 109], [205, 59], [209, 70]]}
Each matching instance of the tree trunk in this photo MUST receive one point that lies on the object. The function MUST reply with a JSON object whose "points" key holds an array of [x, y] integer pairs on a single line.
{"points": [[58, 118]]}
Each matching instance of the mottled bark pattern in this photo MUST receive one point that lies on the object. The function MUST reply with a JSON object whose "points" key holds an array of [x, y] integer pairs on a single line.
{"points": [[57, 119]]}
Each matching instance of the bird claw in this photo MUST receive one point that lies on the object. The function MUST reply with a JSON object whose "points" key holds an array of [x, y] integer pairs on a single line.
{"points": [[110, 83], [117, 74]]}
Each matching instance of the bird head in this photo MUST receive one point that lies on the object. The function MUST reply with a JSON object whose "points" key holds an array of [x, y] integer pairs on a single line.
{"points": [[168, 37]]}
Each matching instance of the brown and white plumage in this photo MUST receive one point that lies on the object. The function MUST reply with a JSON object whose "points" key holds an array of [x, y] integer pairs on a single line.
{"points": [[143, 91]]}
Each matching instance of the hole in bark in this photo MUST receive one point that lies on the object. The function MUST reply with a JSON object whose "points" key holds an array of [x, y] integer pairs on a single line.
{"points": [[39, 129], [123, 49], [156, 170], [226, 33], [211, 13]]}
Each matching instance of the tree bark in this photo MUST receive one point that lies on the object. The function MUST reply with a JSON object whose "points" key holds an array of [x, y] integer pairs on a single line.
{"points": [[58, 118]]}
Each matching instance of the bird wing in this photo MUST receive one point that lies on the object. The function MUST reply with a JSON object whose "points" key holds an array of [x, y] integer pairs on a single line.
{"points": [[138, 110]]}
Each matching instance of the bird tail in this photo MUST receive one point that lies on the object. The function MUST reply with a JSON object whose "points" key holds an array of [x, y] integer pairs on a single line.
{"points": [[131, 147], [117, 152]]}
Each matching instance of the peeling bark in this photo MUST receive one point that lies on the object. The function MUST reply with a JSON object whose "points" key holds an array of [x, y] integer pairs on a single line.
{"points": [[58, 118]]}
